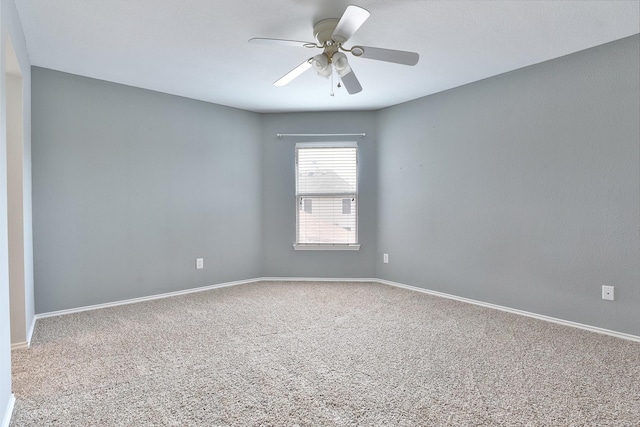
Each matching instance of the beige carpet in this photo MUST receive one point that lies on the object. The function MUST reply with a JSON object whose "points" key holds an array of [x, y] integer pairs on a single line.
{"points": [[320, 354]]}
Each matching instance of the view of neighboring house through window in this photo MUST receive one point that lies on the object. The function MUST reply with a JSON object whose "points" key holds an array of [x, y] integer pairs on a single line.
{"points": [[327, 195]]}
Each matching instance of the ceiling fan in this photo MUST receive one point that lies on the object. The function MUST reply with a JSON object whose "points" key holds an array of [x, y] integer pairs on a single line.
{"points": [[330, 35]]}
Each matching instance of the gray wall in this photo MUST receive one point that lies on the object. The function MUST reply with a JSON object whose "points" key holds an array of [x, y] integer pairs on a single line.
{"points": [[130, 186], [521, 190], [280, 260]]}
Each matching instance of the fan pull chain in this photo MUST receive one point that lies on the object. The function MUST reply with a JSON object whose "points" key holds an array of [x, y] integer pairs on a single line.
{"points": [[331, 91]]}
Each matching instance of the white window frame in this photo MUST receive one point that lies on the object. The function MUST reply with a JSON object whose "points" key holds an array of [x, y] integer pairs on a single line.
{"points": [[326, 246]]}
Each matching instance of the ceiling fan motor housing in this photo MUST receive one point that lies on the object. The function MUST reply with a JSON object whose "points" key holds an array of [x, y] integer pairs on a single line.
{"points": [[323, 31]]}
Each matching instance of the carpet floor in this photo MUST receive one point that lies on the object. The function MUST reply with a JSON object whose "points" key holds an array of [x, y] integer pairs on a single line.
{"points": [[320, 354]]}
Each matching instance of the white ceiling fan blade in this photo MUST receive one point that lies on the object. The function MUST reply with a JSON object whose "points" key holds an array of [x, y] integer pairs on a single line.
{"points": [[388, 55], [293, 73], [351, 83], [351, 20], [281, 42]]}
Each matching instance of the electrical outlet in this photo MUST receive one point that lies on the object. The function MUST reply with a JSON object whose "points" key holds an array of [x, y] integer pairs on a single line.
{"points": [[199, 263], [607, 293], [385, 258]]}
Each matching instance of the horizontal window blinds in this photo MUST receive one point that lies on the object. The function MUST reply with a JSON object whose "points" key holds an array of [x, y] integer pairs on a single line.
{"points": [[326, 184], [326, 170]]}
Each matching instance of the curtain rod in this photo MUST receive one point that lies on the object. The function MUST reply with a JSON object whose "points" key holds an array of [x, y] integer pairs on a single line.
{"points": [[281, 135]]}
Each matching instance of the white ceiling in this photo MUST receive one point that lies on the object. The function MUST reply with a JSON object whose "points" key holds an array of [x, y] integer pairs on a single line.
{"points": [[198, 48]]}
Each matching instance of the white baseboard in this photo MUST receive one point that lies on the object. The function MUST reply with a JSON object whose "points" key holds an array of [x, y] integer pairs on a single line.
{"points": [[142, 299], [350, 279], [25, 344], [315, 279], [8, 411], [19, 345], [189, 291], [515, 311]]}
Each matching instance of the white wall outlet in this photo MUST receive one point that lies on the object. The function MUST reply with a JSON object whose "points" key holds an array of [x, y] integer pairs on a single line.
{"points": [[607, 293], [385, 258], [199, 263]]}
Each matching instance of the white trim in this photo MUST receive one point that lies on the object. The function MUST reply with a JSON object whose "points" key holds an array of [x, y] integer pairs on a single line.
{"points": [[25, 344], [142, 299], [316, 279], [19, 345], [569, 323], [516, 311], [306, 135], [336, 144], [330, 247], [8, 411], [30, 332]]}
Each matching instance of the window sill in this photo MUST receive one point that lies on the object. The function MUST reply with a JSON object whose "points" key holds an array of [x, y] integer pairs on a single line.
{"points": [[312, 247]]}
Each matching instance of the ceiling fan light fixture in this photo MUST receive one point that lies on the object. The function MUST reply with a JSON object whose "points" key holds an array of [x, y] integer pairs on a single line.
{"points": [[320, 62], [326, 73], [339, 61]]}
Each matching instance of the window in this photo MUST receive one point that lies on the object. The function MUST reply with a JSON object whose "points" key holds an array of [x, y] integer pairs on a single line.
{"points": [[327, 196]]}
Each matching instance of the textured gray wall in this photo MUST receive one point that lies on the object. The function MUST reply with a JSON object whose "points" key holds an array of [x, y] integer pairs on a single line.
{"points": [[130, 186], [521, 190], [280, 260]]}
